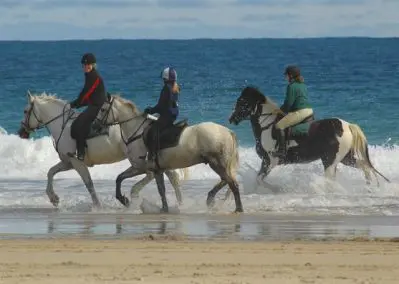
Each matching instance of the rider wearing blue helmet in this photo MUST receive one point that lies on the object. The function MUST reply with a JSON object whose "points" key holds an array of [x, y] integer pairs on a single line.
{"points": [[167, 107]]}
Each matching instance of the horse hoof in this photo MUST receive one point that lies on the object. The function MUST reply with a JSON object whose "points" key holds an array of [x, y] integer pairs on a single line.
{"points": [[238, 211], [97, 206], [164, 210], [124, 200], [55, 201], [210, 203]]}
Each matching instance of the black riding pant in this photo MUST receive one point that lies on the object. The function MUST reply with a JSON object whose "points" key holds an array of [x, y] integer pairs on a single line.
{"points": [[80, 127]]}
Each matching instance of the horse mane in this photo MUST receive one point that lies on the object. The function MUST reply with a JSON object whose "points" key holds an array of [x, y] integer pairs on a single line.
{"points": [[260, 97], [44, 97], [128, 103]]}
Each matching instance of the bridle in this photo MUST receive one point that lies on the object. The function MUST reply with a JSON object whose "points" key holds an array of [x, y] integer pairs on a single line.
{"points": [[257, 114], [31, 110], [25, 124], [131, 138]]}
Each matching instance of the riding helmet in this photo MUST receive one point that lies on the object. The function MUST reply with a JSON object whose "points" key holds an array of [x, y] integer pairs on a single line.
{"points": [[88, 58], [169, 74]]}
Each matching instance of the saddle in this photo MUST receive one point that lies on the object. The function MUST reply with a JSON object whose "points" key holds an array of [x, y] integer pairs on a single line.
{"points": [[297, 132], [97, 130], [168, 137]]}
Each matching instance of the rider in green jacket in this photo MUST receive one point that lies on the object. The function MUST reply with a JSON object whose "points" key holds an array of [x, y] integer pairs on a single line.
{"points": [[296, 106]]}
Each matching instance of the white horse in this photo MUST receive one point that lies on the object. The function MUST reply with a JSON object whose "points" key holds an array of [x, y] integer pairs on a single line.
{"points": [[104, 146], [180, 146]]}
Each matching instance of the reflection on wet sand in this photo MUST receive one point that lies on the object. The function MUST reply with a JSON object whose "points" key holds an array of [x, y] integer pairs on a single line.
{"points": [[50, 223], [229, 227]]}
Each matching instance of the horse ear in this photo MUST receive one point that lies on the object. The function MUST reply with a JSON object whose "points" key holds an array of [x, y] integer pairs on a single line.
{"points": [[29, 96]]}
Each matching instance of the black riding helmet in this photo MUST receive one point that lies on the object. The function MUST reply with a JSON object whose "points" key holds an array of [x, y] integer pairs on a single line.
{"points": [[293, 71], [88, 58]]}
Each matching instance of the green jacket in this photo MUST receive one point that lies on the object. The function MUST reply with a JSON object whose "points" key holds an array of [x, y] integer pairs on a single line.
{"points": [[296, 97]]}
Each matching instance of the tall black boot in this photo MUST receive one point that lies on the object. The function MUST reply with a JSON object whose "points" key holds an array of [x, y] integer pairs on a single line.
{"points": [[80, 145], [282, 146]]}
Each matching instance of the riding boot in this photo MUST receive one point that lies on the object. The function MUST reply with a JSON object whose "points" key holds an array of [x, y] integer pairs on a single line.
{"points": [[80, 146], [282, 146]]}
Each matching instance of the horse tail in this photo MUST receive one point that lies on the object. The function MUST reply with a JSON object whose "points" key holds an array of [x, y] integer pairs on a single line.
{"points": [[360, 147], [233, 162]]}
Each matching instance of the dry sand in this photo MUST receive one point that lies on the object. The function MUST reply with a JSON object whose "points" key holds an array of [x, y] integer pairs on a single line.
{"points": [[79, 260]]}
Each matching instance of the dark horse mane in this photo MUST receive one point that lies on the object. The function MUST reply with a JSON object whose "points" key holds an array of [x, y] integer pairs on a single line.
{"points": [[254, 96]]}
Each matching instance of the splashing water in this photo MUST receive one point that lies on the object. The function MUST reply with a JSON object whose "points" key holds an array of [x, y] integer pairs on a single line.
{"points": [[293, 189]]}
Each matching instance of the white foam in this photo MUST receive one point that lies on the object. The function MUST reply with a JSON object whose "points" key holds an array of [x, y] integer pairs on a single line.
{"points": [[294, 188]]}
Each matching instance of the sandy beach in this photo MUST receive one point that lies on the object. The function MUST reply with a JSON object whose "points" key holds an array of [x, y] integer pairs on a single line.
{"points": [[176, 260]]}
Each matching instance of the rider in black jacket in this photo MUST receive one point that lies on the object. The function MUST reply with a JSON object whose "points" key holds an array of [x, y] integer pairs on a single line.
{"points": [[93, 96], [167, 108]]}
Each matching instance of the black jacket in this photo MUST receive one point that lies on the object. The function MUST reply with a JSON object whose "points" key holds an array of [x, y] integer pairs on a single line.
{"points": [[93, 92], [167, 105]]}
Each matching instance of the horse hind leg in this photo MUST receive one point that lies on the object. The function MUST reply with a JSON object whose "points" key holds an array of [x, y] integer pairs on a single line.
{"points": [[350, 161], [227, 178]]}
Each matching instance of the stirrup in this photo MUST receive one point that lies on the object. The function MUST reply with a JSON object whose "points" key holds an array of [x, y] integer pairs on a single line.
{"points": [[80, 156]]}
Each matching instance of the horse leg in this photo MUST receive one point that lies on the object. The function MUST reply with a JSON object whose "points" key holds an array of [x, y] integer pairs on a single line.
{"points": [[128, 173], [211, 194], [137, 187], [230, 180], [60, 167], [264, 170], [161, 189], [173, 177], [330, 167], [84, 173], [351, 161]]}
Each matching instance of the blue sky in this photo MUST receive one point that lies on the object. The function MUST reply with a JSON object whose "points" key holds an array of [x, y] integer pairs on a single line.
{"points": [[182, 19]]}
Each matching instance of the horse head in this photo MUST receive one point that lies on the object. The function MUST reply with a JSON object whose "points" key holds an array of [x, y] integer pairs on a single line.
{"points": [[30, 122], [116, 110], [33, 116], [247, 104]]}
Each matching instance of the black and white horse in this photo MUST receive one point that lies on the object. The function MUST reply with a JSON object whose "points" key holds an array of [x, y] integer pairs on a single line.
{"points": [[332, 140]]}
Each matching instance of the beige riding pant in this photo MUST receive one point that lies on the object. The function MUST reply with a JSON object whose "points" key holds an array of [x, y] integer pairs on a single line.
{"points": [[293, 118]]}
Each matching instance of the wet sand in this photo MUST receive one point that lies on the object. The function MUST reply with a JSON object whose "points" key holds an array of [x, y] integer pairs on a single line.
{"points": [[49, 223], [47, 246], [175, 260]]}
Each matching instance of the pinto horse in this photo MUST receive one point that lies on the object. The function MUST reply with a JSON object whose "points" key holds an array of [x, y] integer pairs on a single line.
{"points": [[333, 140]]}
